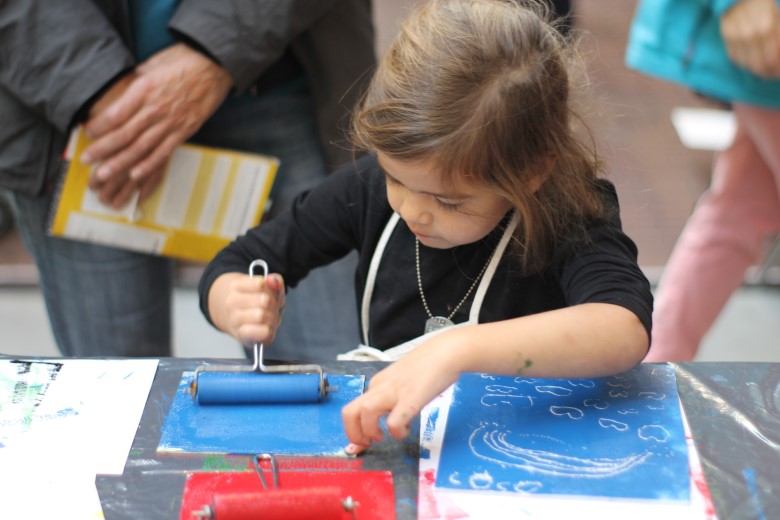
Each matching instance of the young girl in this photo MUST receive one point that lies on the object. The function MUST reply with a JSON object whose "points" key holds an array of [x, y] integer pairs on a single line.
{"points": [[478, 217]]}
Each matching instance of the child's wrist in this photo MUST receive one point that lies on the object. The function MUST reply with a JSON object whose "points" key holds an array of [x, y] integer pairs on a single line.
{"points": [[460, 348]]}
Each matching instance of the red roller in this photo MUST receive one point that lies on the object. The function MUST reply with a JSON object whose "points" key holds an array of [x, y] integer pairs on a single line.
{"points": [[326, 503]]}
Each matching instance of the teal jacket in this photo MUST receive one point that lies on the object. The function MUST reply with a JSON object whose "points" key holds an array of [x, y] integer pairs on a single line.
{"points": [[680, 41]]}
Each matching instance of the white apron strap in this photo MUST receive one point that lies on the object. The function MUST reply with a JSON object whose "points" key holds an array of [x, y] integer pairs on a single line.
{"points": [[366, 353], [479, 296], [373, 268]]}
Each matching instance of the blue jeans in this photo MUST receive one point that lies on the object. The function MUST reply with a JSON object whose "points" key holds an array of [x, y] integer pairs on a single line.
{"points": [[100, 301], [110, 302]]}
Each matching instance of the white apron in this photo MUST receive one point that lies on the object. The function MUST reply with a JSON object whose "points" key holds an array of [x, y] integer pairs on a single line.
{"points": [[367, 353]]}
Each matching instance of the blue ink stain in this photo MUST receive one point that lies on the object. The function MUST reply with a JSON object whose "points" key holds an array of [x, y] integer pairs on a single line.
{"points": [[300, 429], [67, 412], [430, 424], [427, 435], [406, 504], [750, 479], [425, 453]]}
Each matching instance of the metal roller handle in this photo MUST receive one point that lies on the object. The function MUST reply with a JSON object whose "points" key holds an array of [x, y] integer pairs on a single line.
{"points": [[257, 365]]}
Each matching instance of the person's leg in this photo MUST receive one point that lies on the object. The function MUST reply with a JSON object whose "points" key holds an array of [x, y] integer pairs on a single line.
{"points": [[722, 238], [763, 126], [101, 301], [320, 318]]}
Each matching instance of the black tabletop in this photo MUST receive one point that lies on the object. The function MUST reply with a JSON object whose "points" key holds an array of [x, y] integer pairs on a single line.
{"points": [[734, 413]]}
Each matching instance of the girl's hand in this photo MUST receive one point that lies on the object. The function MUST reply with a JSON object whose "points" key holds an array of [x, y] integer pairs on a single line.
{"points": [[248, 308], [401, 391]]}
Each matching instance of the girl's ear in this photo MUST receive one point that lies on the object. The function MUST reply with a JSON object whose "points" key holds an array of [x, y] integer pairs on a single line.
{"points": [[537, 181], [546, 169]]}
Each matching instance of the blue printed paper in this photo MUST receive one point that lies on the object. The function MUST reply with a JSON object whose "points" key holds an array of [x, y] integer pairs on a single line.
{"points": [[281, 429], [619, 436]]}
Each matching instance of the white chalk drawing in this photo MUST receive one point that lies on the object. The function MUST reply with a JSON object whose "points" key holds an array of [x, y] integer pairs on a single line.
{"points": [[554, 390], [481, 480], [568, 411], [596, 403], [490, 442], [612, 423], [585, 383], [654, 432], [620, 436], [524, 401], [527, 486]]}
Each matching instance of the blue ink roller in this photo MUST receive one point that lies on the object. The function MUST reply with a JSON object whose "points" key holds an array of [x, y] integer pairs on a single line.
{"points": [[258, 383]]}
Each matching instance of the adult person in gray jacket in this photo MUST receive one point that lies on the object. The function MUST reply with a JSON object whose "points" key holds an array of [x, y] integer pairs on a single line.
{"points": [[271, 77]]}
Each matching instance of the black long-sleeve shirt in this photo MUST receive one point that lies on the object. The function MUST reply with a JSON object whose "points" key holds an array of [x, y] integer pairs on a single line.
{"points": [[349, 211]]}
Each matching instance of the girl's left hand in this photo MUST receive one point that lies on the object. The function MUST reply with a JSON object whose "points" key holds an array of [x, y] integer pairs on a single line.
{"points": [[401, 391]]}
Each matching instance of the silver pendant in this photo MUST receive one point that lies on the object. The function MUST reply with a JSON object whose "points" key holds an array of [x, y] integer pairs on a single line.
{"points": [[436, 323]]}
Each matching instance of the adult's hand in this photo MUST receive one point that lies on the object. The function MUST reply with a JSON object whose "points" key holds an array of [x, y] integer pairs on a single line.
{"points": [[118, 189], [751, 32], [140, 121]]}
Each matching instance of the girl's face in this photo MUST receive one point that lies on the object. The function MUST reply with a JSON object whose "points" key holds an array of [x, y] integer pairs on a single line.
{"points": [[441, 216]]}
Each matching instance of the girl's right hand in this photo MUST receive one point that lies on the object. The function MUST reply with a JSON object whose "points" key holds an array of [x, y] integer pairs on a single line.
{"points": [[248, 308]]}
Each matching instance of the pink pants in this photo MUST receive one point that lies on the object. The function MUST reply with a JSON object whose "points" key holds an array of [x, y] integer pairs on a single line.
{"points": [[724, 236]]}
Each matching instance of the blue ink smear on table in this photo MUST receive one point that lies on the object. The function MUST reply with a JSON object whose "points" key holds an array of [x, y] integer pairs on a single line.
{"points": [[619, 436], [282, 429], [752, 485], [427, 435]]}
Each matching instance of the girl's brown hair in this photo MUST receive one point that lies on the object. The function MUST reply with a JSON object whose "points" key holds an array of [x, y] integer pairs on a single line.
{"points": [[482, 88]]}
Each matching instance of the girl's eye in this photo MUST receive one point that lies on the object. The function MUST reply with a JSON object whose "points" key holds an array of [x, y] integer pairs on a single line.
{"points": [[447, 205]]}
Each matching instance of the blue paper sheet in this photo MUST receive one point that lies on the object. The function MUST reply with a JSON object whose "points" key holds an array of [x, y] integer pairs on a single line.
{"points": [[281, 429], [618, 436]]}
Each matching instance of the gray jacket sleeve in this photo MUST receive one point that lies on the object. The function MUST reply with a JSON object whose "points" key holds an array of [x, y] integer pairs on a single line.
{"points": [[54, 56], [247, 36]]}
